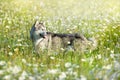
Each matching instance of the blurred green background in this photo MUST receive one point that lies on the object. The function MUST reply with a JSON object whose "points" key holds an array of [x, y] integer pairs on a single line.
{"points": [[93, 18]]}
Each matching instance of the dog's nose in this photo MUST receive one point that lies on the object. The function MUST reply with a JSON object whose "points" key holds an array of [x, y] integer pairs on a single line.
{"points": [[43, 34]]}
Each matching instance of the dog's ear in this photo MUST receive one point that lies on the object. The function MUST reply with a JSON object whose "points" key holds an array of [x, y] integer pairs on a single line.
{"points": [[36, 23]]}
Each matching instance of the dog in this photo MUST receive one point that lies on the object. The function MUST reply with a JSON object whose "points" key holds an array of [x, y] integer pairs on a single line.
{"points": [[44, 40]]}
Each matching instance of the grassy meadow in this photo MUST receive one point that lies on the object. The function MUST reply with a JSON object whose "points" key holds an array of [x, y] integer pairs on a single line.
{"points": [[93, 18]]}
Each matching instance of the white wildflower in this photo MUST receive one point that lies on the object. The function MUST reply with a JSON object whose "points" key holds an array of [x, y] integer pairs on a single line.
{"points": [[91, 60], [7, 77], [108, 66], [115, 34], [23, 60], [16, 49], [99, 75], [74, 27], [34, 58], [83, 77], [10, 53], [99, 56], [42, 4], [70, 69], [53, 71], [1, 72], [2, 63], [68, 64], [19, 40], [35, 69], [116, 65], [22, 78], [112, 51], [7, 27], [52, 57], [35, 65], [23, 75], [36, 17], [31, 78], [14, 70], [84, 60], [68, 42], [42, 65], [75, 74], [57, 65], [108, 49], [29, 64], [85, 24], [107, 20], [19, 44], [77, 66], [112, 55], [62, 76]]}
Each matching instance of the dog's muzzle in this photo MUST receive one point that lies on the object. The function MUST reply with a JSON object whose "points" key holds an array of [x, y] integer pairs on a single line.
{"points": [[43, 34]]}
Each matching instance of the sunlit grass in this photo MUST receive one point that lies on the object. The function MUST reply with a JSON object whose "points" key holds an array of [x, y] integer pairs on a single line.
{"points": [[96, 18]]}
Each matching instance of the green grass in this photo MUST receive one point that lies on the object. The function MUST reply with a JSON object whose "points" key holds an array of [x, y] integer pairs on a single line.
{"points": [[95, 18]]}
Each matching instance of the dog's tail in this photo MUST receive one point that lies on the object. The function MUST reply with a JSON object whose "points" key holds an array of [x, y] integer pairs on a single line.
{"points": [[80, 36], [93, 42]]}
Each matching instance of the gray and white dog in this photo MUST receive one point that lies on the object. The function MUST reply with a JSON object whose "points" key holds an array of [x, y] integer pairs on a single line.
{"points": [[43, 40]]}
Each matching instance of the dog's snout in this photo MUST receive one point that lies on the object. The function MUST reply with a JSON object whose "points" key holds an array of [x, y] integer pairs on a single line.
{"points": [[43, 34]]}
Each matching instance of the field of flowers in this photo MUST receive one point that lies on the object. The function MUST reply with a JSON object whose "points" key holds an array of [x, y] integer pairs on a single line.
{"points": [[93, 18]]}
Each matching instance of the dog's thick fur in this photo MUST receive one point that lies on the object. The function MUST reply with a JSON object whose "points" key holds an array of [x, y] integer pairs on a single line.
{"points": [[56, 41]]}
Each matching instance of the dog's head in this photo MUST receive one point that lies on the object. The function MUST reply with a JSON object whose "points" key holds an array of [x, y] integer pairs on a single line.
{"points": [[38, 30], [39, 26]]}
